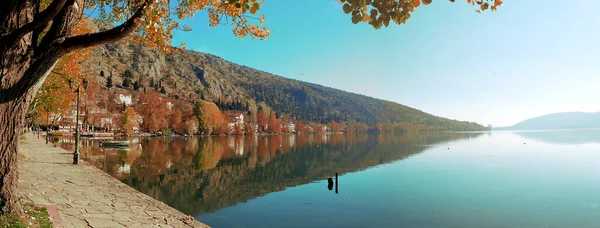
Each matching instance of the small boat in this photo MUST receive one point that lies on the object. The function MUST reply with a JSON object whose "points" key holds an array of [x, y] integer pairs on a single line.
{"points": [[86, 135], [114, 143], [170, 135]]}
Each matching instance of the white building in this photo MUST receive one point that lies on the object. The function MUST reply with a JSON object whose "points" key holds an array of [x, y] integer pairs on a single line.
{"points": [[236, 120], [125, 99]]}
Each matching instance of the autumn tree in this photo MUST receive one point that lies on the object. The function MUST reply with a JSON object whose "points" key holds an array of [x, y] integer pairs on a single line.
{"points": [[35, 34], [274, 124], [335, 126], [262, 121], [301, 128], [176, 121], [128, 121], [239, 130], [209, 116], [190, 126], [249, 128], [90, 98], [153, 110], [379, 126]]}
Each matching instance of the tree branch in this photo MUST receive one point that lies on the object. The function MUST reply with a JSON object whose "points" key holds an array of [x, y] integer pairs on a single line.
{"points": [[40, 21], [111, 35]]}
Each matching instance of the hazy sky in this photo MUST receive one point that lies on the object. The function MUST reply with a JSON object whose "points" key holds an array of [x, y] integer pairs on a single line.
{"points": [[530, 58]]}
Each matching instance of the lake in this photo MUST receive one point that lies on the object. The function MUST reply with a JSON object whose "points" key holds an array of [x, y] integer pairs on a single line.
{"points": [[477, 179]]}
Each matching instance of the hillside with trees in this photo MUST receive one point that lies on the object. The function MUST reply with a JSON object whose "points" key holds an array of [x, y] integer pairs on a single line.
{"points": [[189, 76]]}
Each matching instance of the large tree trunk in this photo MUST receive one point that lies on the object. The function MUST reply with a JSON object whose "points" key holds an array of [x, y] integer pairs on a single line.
{"points": [[14, 61], [26, 61], [12, 116]]}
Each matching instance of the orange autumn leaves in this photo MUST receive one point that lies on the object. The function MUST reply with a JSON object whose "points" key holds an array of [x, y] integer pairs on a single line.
{"points": [[55, 95], [164, 17], [128, 121]]}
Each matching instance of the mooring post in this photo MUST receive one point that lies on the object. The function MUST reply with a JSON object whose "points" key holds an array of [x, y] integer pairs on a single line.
{"points": [[336, 183]]}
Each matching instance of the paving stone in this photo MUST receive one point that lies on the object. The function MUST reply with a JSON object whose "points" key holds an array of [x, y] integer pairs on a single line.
{"points": [[98, 223], [86, 195]]}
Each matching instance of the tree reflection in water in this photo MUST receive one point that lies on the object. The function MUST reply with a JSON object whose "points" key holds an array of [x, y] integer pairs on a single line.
{"points": [[198, 175]]}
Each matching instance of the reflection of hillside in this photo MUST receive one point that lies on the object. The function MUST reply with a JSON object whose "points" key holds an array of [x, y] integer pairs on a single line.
{"points": [[208, 174], [572, 136]]}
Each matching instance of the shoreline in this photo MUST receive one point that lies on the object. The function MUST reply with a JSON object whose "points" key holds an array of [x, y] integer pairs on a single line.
{"points": [[85, 196]]}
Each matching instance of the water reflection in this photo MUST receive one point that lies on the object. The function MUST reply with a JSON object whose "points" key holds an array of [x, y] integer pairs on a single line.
{"points": [[198, 175], [567, 136]]}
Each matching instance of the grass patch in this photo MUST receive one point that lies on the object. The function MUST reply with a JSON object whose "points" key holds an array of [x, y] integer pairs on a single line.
{"points": [[34, 217]]}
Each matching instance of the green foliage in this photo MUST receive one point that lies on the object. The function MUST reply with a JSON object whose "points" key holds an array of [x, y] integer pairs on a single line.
{"points": [[163, 90], [136, 85], [128, 74], [101, 73], [166, 130], [126, 83], [109, 82], [37, 216]]}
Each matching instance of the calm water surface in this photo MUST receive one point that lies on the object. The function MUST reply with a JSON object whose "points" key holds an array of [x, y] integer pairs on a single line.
{"points": [[497, 179]]}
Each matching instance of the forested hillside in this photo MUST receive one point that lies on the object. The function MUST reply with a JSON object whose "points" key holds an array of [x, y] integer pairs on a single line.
{"points": [[189, 76]]}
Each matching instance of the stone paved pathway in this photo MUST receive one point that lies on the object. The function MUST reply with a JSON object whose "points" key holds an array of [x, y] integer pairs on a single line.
{"points": [[86, 196]]}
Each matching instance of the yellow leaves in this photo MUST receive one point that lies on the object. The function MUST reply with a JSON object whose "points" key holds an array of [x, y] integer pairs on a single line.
{"points": [[158, 25]]}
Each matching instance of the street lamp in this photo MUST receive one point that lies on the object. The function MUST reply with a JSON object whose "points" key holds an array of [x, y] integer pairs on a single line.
{"points": [[77, 88]]}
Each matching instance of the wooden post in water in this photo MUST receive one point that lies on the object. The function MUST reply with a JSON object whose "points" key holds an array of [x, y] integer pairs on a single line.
{"points": [[336, 183]]}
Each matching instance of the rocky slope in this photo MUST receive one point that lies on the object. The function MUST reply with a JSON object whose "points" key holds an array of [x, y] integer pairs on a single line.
{"points": [[188, 75]]}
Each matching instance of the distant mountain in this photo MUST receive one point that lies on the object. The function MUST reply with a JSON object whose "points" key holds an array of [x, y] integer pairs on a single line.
{"points": [[189, 76], [564, 120]]}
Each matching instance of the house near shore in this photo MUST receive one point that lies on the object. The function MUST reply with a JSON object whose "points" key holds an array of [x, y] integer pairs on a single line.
{"points": [[289, 127], [66, 121], [235, 120], [320, 128]]}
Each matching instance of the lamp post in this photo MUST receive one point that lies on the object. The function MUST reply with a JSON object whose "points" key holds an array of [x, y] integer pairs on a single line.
{"points": [[47, 126], [77, 87]]}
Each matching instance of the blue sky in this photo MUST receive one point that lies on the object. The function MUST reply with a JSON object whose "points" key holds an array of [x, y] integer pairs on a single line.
{"points": [[529, 58]]}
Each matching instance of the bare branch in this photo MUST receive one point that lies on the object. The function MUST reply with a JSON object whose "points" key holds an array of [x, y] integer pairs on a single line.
{"points": [[111, 35]]}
